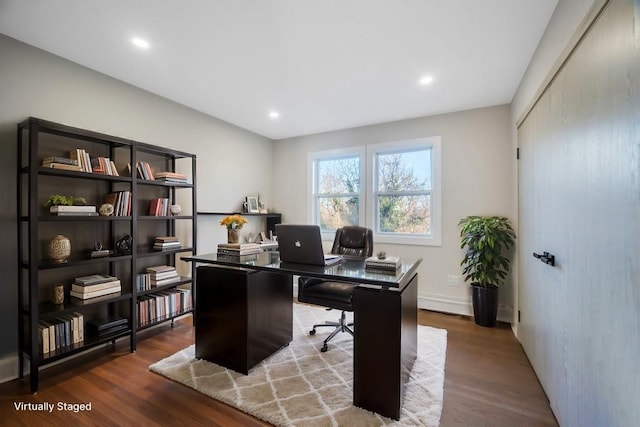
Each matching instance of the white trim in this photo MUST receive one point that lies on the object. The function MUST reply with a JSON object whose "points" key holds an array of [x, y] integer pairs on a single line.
{"points": [[9, 367], [446, 304]]}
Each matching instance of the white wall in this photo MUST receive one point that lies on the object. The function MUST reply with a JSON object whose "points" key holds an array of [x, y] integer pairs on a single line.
{"points": [[476, 179], [35, 83]]}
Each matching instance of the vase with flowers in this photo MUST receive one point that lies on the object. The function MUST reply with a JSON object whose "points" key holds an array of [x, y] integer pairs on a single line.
{"points": [[233, 223]]}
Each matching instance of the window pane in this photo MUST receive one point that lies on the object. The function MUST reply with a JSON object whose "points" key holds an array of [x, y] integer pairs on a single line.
{"points": [[409, 170], [404, 214], [339, 176], [335, 212]]}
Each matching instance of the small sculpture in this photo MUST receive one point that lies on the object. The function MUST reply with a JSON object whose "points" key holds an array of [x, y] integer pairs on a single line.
{"points": [[123, 246], [175, 209], [106, 209]]}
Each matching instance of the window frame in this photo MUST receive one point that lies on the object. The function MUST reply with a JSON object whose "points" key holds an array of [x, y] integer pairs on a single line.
{"points": [[312, 180], [430, 143], [367, 196]]}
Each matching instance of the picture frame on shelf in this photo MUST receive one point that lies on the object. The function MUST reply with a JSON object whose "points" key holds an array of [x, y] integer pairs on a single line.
{"points": [[252, 204]]}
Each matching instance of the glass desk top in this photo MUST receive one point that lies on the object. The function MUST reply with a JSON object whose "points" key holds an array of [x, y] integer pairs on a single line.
{"points": [[351, 269]]}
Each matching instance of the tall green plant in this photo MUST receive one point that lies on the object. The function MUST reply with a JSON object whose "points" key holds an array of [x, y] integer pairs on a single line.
{"points": [[486, 240]]}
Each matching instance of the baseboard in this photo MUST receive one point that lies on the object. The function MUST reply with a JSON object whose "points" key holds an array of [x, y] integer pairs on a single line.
{"points": [[447, 304], [9, 368]]}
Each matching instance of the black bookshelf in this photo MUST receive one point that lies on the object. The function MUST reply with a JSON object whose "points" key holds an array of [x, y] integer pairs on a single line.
{"points": [[37, 274]]}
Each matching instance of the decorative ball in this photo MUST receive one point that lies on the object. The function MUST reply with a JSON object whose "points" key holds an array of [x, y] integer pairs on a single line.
{"points": [[175, 209], [106, 209]]}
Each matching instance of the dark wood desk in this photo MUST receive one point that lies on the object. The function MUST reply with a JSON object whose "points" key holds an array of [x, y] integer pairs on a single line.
{"points": [[244, 311]]}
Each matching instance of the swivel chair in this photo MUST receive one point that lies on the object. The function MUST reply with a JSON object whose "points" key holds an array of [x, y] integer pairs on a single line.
{"points": [[350, 241]]}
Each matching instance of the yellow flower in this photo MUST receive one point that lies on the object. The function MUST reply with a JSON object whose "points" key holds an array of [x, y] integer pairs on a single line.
{"points": [[233, 221]]}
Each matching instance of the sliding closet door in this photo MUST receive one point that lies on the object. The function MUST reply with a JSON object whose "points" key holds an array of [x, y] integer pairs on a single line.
{"points": [[579, 199]]}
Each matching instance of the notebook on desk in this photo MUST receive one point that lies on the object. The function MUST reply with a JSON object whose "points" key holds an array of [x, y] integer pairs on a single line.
{"points": [[302, 244]]}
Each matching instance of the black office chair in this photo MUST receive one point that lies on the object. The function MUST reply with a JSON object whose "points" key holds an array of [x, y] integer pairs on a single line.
{"points": [[351, 241]]}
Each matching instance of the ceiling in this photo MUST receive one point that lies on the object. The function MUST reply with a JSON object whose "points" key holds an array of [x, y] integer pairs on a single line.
{"points": [[323, 65]]}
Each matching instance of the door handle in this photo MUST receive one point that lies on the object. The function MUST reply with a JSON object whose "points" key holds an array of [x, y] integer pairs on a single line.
{"points": [[546, 257]]}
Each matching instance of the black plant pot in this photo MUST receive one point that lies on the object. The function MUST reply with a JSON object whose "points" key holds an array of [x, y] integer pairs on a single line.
{"points": [[485, 305]]}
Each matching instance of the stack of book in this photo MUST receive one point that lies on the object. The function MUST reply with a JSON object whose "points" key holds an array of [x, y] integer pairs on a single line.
{"points": [[95, 285], [171, 177], [166, 243], [103, 327], [63, 210], [162, 275], [239, 249], [63, 163], [389, 264], [60, 333]]}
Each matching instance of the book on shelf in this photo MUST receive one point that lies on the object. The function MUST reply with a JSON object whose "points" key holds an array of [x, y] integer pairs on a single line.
{"points": [[63, 166], [94, 279], [162, 274], [159, 207], [83, 159], [143, 282], [63, 208], [104, 165], [75, 214], [101, 253], [85, 289], [101, 327], [43, 330], [161, 305], [390, 263], [144, 171], [167, 174], [94, 294], [61, 332], [121, 202], [167, 246], [60, 160], [173, 180]]}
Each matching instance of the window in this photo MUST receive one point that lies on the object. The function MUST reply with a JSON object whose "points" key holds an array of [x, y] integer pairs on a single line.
{"points": [[396, 192], [404, 197], [336, 189]]}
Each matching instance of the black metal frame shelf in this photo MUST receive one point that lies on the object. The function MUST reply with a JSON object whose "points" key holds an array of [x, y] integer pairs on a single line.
{"points": [[39, 138]]}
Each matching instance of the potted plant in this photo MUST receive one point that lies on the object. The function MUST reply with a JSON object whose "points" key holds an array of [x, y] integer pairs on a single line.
{"points": [[58, 200], [485, 240], [233, 224]]}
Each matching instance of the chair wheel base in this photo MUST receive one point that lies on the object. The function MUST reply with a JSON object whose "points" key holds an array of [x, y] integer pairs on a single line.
{"points": [[324, 348], [312, 332]]}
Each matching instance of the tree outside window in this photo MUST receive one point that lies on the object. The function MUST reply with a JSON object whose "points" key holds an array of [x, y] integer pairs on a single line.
{"points": [[403, 193], [338, 192]]}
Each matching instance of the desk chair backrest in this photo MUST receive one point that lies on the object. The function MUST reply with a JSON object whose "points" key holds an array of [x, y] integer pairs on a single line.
{"points": [[353, 241]]}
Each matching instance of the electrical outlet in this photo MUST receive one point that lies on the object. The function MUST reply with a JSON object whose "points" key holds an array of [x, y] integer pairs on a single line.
{"points": [[453, 280]]}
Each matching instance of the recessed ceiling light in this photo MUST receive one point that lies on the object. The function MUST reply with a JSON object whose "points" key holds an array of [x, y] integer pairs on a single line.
{"points": [[141, 43], [426, 80], [274, 114]]}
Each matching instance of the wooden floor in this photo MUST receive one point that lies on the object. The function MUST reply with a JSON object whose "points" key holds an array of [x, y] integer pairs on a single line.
{"points": [[488, 382]]}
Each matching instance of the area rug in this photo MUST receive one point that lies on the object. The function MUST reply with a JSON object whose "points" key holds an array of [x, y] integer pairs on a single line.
{"points": [[301, 386]]}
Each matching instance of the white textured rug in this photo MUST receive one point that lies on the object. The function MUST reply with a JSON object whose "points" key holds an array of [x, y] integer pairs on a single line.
{"points": [[301, 386]]}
